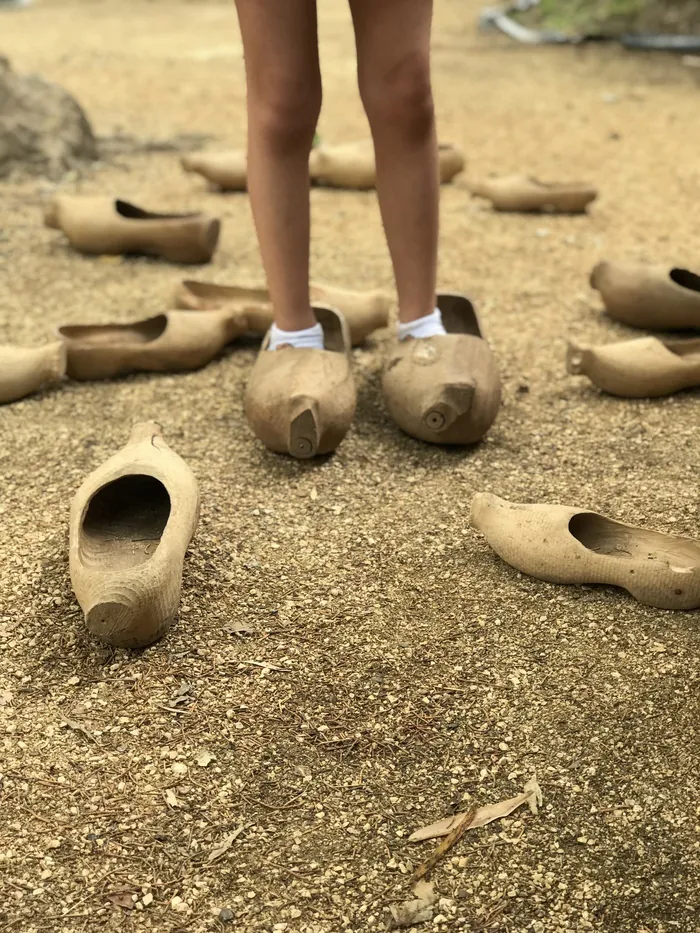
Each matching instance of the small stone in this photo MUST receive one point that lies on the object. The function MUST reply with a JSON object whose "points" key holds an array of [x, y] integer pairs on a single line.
{"points": [[147, 899], [226, 915]]}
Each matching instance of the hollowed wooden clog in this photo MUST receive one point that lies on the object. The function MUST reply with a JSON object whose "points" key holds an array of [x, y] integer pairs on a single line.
{"points": [[113, 227], [352, 165], [170, 342], [364, 312], [302, 401], [519, 193], [562, 544], [446, 389], [652, 297], [643, 368], [227, 170], [131, 523], [24, 370]]}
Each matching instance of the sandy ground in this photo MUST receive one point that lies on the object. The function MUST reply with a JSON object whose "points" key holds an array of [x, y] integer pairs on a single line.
{"points": [[412, 671]]}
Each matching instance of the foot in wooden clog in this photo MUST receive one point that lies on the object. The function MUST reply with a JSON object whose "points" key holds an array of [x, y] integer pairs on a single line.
{"points": [[643, 368], [444, 389], [364, 312], [352, 165], [302, 401], [25, 370], [110, 226], [131, 523], [562, 544], [519, 193], [227, 170], [653, 297], [172, 342]]}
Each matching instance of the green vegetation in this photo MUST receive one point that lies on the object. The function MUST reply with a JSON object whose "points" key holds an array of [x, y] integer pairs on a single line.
{"points": [[613, 16]]}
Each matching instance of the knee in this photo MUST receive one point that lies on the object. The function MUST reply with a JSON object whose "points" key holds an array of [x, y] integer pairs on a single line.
{"points": [[285, 113], [401, 97]]}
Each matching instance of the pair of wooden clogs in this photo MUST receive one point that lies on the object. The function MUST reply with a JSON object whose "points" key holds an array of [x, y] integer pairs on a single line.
{"points": [[175, 341], [351, 165], [109, 226], [133, 518], [654, 298], [444, 389], [563, 544]]}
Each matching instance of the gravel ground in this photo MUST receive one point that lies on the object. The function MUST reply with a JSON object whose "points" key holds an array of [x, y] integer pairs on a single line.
{"points": [[396, 670]]}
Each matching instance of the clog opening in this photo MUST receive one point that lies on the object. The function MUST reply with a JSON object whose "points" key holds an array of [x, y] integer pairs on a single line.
{"points": [[613, 539], [124, 522], [132, 212], [686, 279], [109, 334]]}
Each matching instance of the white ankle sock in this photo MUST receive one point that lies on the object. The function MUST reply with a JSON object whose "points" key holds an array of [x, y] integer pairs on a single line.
{"points": [[311, 338], [430, 325]]}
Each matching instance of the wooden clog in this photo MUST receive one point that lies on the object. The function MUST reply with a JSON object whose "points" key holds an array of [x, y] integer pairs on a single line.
{"points": [[352, 165], [131, 523], [24, 370], [113, 227], [520, 193], [446, 389], [170, 342], [364, 312], [227, 170], [562, 544], [643, 368], [302, 402], [653, 297]]}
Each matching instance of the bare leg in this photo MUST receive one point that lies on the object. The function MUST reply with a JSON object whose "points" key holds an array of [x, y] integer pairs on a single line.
{"points": [[284, 101], [393, 61]]}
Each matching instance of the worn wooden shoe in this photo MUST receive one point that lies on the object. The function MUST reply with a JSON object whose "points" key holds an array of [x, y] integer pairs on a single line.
{"points": [[352, 165], [364, 312], [445, 389], [519, 193], [227, 170], [170, 342], [25, 370], [131, 523], [561, 544], [652, 297], [110, 226], [643, 368], [301, 401]]}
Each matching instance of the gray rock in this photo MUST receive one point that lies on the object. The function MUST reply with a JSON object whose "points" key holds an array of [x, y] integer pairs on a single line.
{"points": [[43, 130]]}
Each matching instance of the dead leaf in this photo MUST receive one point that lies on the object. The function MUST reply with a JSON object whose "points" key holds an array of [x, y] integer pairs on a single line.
{"points": [[266, 666], [172, 799], [531, 795], [224, 845], [204, 758], [78, 727], [418, 909], [239, 628], [122, 897], [444, 847], [535, 791]]}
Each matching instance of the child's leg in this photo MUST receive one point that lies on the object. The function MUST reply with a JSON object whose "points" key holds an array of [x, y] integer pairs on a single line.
{"points": [[284, 100], [393, 56]]}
